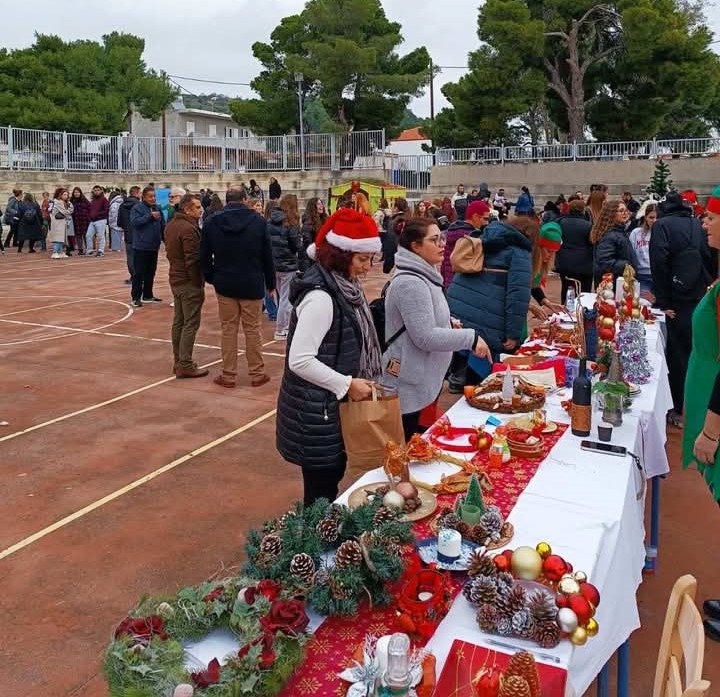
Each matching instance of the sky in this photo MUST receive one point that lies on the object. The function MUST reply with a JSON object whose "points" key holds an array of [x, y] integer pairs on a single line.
{"points": [[212, 39]]}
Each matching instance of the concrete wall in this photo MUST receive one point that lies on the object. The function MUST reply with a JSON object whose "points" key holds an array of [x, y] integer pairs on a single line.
{"points": [[549, 179]]}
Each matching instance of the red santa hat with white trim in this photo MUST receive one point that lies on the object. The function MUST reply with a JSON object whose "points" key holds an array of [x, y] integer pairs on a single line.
{"points": [[348, 230]]}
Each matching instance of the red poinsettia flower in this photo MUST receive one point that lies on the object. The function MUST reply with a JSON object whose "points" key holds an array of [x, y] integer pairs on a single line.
{"points": [[142, 628], [269, 588], [208, 677], [215, 594], [267, 656], [287, 616]]}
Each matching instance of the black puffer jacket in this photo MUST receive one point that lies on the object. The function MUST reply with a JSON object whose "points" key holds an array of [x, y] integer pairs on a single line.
{"points": [[285, 244], [613, 253], [575, 257], [307, 237], [390, 241], [308, 417]]}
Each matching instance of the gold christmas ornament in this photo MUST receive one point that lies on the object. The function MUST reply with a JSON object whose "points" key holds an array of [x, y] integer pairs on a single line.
{"points": [[579, 636], [568, 585], [543, 549], [592, 627], [526, 563], [580, 576]]}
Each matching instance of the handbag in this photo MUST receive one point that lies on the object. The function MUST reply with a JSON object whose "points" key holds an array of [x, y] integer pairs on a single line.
{"points": [[367, 426], [59, 216], [468, 255]]}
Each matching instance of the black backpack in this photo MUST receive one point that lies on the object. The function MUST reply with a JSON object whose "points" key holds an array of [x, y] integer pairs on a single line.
{"points": [[377, 309]]}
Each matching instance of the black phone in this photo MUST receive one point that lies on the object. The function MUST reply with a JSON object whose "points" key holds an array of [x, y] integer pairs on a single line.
{"points": [[603, 448]]}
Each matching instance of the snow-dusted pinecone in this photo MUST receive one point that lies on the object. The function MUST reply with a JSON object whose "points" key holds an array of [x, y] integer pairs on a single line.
{"points": [[302, 566], [517, 598], [448, 519], [271, 546], [523, 624], [483, 590], [504, 583], [322, 577], [348, 554], [384, 515], [504, 626], [492, 521], [487, 617], [284, 519], [542, 606], [328, 529]]}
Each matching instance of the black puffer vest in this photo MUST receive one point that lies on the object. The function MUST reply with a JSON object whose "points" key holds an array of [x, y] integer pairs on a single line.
{"points": [[308, 421]]}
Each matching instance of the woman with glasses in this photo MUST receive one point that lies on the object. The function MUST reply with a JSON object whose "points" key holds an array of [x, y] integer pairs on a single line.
{"points": [[417, 317], [613, 249]]}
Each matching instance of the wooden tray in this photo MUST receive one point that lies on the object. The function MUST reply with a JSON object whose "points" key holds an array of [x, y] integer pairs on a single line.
{"points": [[428, 501]]}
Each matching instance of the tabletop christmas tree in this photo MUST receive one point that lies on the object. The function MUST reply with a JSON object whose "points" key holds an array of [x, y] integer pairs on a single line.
{"points": [[632, 345]]}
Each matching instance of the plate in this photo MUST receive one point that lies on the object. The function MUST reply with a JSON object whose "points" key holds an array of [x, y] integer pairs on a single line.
{"points": [[550, 428], [427, 549], [428, 501]]}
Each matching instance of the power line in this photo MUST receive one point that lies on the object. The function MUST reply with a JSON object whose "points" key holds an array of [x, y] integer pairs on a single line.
{"points": [[214, 82]]}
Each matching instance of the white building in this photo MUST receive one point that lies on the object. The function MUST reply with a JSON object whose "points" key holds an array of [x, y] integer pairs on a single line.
{"points": [[409, 142]]}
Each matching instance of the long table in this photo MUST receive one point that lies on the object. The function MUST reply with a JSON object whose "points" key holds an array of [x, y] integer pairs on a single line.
{"points": [[590, 508]]}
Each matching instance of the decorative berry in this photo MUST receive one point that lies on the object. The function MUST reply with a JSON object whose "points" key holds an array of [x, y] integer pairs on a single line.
{"points": [[349, 553]]}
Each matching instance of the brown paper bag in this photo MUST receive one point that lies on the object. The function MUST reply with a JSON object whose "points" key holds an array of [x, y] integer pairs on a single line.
{"points": [[367, 426]]}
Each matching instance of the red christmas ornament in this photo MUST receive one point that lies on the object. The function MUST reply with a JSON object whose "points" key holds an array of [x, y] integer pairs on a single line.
{"points": [[487, 682], [562, 601], [554, 568], [502, 562], [581, 608], [508, 554], [590, 593]]}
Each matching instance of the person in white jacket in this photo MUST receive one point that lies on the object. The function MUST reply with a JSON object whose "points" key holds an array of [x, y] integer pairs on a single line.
{"points": [[116, 232]]}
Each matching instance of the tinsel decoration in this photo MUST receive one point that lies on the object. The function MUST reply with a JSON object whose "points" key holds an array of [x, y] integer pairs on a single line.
{"points": [[547, 634], [302, 566], [523, 664], [514, 686], [348, 554], [480, 564], [487, 617], [632, 345]]}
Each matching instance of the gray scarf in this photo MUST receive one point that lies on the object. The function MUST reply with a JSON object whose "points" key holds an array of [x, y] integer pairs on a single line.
{"points": [[370, 363]]}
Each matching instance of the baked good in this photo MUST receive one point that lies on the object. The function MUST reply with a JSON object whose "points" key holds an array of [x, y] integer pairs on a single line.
{"points": [[488, 395]]}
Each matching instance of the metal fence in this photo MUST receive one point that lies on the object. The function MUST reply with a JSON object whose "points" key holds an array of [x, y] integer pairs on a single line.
{"points": [[29, 149], [569, 152]]}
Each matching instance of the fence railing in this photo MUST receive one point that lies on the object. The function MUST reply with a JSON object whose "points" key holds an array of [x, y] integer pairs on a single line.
{"points": [[30, 149], [568, 152]]}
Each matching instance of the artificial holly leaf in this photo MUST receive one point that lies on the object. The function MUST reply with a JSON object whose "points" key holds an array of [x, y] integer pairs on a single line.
{"points": [[248, 685]]}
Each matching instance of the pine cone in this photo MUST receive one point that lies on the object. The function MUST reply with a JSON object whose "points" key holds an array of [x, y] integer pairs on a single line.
{"points": [[547, 634], [328, 530], [384, 515], [336, 510], [448, 519], [302, 566], [523, 624], [487, 617], [478, 534], [483, 590], [349, 553], [322, 577], [514, 686], [517, 598], [338, 589], [504, 626], [284, 519], [271, 546], [480, 564], [542, 607], [492, 521], [523, 664], [463, 528], [504, 583]]}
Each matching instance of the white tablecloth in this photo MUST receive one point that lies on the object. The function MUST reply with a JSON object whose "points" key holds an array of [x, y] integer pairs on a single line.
{"points": [[590, 508]]}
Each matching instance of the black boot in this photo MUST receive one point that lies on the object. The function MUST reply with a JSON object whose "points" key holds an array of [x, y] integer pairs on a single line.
{"points": [[712, 629], [712, 609]]}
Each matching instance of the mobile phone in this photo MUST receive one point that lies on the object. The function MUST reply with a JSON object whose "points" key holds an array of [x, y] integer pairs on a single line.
{"points": [[603, 448]]}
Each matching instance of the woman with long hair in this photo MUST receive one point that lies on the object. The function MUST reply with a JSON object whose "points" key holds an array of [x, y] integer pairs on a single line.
{"points": [[421, 210], [613, 251], [547, 240], [30, 225], [274, 189], [574, 260], [400, 213], [312, 221], [596, 201], [362, 204], [640, 241], [214, 206], [80, 220], [60, 216], [332, 354], [448, 211], [284, 229]]}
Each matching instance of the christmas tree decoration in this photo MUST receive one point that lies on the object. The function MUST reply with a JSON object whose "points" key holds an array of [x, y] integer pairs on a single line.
{"points": [[592, 627], [613, 390], [543, 549], [523, 665], [630, 306], [526, 563], [632, 345], [660, 183]]}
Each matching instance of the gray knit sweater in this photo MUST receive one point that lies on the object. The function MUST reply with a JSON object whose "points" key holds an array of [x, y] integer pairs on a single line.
{"points": [[416, 300]]}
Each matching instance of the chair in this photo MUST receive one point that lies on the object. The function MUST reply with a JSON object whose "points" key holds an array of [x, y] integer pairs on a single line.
{"points": [[683, 641]]}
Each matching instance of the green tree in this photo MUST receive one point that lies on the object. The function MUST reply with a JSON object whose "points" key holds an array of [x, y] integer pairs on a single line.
{"points": [[81, 86], [660, 183], [346, 52]]}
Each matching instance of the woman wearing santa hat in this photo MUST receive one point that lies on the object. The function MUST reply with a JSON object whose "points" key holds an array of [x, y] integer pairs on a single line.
{"points": [[333, 351]]}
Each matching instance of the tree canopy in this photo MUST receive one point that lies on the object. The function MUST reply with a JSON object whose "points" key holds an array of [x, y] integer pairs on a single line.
{"points": [[346, 52], [81, 86], [628, 69]]}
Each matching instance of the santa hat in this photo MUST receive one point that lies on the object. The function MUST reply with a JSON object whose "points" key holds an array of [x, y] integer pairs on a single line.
{"points": [[550, 236], [713, 204], [348, 230]]}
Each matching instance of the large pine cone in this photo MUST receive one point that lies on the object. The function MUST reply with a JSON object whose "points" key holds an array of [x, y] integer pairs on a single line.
{"points": [[487, 617], [547, 634], [384, 515], [542, 606], [271, 546], [448, 519], [504, 582], [517, 598], [302, 566], [480, 564], [349, 554], [514, 686], [338, 589], [523, 624], [482, 590], [328, 530], [479, 534], [523, 664]]}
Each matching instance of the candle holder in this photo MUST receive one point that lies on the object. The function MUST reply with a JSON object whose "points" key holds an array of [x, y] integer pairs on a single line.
{"points": [[423, 603]]}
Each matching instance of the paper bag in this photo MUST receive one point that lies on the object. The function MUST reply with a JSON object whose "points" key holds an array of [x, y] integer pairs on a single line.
{"points": [[367, 426]]}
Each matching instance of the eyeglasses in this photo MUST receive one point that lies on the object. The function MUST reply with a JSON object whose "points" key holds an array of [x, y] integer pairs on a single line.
{"points": [[437, 240]]}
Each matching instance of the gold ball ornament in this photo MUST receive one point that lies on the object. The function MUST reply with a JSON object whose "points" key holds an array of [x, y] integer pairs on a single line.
{"points": [[579, 636], [580, 576], [526, 563], [568, 585], [608, 321], [543, 549], [592, 627], [636, 313]]}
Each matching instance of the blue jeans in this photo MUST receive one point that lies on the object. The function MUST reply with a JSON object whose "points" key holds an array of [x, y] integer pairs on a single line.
{"points": [[116, 236], [269, 306], [58, 247], [646, 282], [96, 227]]}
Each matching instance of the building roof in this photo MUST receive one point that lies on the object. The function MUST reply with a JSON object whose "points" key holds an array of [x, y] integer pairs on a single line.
{"points": [[205, 112], [410, 134]]}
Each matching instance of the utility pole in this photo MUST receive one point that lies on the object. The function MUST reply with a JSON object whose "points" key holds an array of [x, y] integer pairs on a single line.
{"points": [[299, 81], [432, 91]]}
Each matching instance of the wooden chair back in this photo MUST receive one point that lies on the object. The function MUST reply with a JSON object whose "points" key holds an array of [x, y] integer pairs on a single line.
{"points": [[682, 645]]}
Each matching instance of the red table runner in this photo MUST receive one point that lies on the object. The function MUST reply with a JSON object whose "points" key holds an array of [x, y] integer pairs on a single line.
{"points": [[331, 648]]}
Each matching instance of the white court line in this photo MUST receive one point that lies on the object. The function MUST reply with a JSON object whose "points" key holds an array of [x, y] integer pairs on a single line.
{"points": [[42, 307], [99, 405], [133, 485]]}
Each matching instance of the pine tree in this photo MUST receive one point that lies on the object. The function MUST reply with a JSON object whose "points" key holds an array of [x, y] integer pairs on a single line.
{"points": [[660, 183], [474, 496]]}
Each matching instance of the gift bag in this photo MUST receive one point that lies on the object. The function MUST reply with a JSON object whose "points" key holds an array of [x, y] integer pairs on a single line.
{"points": [[367, 426]]}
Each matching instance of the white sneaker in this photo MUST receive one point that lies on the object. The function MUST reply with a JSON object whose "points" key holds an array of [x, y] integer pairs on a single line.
{"points": [[55, 255], [281, 335]]}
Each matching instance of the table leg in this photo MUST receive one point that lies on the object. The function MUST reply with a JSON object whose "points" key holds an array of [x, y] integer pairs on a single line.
{"points": [[623, 670], [652, 548], [603, 681]]}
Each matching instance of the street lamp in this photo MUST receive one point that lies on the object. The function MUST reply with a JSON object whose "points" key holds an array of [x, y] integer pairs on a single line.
{"points": [[299, 80]]}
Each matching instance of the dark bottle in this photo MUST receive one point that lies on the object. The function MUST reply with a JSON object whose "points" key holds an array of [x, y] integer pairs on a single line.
{"points": [[581, 412]]}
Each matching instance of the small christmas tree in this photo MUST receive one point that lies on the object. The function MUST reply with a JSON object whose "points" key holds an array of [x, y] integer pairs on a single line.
{"points": [[632, 345], [660, 183], [474, 496]]}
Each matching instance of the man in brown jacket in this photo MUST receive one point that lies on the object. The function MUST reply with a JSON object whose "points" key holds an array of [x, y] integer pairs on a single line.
{"points": [[182, 247]]}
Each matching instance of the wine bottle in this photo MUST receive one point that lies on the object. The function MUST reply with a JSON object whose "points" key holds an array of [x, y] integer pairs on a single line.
{"points": [[581, 413]]}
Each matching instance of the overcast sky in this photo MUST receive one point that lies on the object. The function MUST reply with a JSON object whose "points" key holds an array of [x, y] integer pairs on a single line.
{"points": [[212, 39]]}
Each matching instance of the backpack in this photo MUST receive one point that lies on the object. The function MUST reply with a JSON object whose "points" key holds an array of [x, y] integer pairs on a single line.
{"points": [[468, 255], [377, 309]]}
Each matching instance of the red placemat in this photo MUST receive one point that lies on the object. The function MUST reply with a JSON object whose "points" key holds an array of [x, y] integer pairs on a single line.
{"points": [[465, 661]]}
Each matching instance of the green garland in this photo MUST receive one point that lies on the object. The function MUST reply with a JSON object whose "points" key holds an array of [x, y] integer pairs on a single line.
{"points": [[145, 659], [282, 551]]}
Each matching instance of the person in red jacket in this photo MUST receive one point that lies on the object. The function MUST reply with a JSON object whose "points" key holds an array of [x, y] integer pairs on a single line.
{"points": [[98, 216]]}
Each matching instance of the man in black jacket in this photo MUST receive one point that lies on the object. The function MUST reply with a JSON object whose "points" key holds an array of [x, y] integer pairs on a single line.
{"points": [[123, 222], [236, 257], [682, 267]]}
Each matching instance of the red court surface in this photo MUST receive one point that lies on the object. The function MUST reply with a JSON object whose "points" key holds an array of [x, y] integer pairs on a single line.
{"points": [[117, 480]]}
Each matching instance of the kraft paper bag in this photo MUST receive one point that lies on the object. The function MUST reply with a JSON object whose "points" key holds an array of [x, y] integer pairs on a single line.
{"points": [[367, 426]]}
